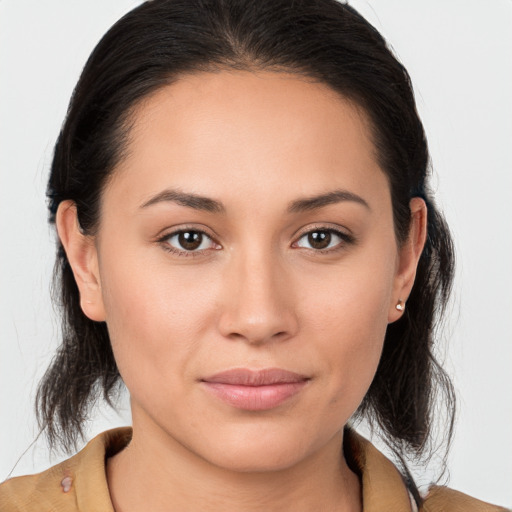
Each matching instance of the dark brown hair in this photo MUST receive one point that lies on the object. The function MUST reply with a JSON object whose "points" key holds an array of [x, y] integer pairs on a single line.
{"points": [[322, 39]]}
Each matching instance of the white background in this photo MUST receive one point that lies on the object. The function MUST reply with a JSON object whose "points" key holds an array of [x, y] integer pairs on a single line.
{"points": [[459, 54]]}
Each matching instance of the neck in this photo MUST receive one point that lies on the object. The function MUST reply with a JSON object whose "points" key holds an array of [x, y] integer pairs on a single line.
{"points": [[157, 474]]}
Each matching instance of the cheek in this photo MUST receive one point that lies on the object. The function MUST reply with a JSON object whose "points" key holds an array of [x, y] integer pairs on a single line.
{"points": [[355, 332], [348, 318], [155, 318]]}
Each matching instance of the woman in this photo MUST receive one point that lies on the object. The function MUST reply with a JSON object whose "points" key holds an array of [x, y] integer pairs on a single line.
{"points": [[248, 240]]}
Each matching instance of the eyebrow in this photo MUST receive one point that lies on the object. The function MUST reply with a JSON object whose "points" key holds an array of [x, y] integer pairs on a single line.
{"points": [[188, 199], [198, 202], [319, 201]]}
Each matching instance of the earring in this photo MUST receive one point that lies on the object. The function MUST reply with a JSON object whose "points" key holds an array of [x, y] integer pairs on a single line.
{"points": [[400, 305]]}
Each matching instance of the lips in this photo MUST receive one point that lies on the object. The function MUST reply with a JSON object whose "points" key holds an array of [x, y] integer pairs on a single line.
{"points": [[255, 390]]}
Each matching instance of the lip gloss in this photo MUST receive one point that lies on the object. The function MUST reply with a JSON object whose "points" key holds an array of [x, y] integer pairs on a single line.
{"points": [[255, 390]]}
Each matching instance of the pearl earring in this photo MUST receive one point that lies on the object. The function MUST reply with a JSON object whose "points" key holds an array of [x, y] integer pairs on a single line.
{"points": [[400, 305]]}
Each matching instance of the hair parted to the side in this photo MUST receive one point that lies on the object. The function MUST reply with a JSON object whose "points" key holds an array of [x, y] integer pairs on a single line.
{"points": [[324, 40]]}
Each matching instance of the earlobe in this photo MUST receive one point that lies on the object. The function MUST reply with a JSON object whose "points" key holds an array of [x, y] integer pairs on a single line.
{"points": [[82, 256], [409, 256]]}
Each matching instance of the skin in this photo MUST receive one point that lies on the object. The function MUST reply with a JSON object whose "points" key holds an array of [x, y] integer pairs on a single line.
{"points": [[256, 294]]}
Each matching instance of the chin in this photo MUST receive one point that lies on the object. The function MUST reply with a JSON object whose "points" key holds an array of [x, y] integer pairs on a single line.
{"points": [[255, 459], [256, 450]]}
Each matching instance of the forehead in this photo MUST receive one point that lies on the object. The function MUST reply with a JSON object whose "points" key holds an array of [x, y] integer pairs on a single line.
{"points": [[249, 131], [231, 105]]}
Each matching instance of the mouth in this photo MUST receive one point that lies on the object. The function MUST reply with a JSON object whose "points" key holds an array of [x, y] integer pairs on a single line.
{"points": [[255, 390]]}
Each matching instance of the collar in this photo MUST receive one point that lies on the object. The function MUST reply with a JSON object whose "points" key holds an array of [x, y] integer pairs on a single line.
{"points": [[383, 487], [80, 483]]}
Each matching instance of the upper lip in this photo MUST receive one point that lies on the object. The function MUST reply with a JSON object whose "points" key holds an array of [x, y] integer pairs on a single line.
{"points": [[247, 377]]}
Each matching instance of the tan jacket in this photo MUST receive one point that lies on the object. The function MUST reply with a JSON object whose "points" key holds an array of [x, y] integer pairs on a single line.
{"points": [[79, 484]]}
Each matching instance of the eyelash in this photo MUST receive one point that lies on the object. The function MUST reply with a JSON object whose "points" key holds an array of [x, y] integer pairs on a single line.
{"points": [[346, 239], [182, 253]]}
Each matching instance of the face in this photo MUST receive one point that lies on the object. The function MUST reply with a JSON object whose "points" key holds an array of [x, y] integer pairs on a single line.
{"points": [[246, 266]]}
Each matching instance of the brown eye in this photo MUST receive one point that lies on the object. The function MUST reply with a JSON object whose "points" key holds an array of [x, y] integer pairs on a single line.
{"points": [[322, 239], [319, 239], [188, 241]]}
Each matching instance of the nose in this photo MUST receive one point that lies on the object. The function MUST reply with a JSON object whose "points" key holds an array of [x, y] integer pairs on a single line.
{"points": [[258, 305]]}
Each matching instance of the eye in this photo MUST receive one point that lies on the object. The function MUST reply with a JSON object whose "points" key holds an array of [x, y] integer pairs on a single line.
{"points": [[188, 241], [323, 239]]}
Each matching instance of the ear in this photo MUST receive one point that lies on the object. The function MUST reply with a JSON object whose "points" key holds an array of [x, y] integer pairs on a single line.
{"points": [[408, 258], [83, 258]]}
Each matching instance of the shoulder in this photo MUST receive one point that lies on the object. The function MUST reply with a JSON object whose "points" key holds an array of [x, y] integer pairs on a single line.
{"points": [[385, 490], [78, 483], [32, 492], [444, 499]]}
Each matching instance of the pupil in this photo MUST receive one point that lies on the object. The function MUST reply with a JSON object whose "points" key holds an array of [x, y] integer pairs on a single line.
{"points": [[190, 240], [319, 239]]}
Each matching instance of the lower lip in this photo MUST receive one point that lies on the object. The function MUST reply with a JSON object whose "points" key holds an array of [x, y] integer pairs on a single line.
{"points": [[255, 398]]}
